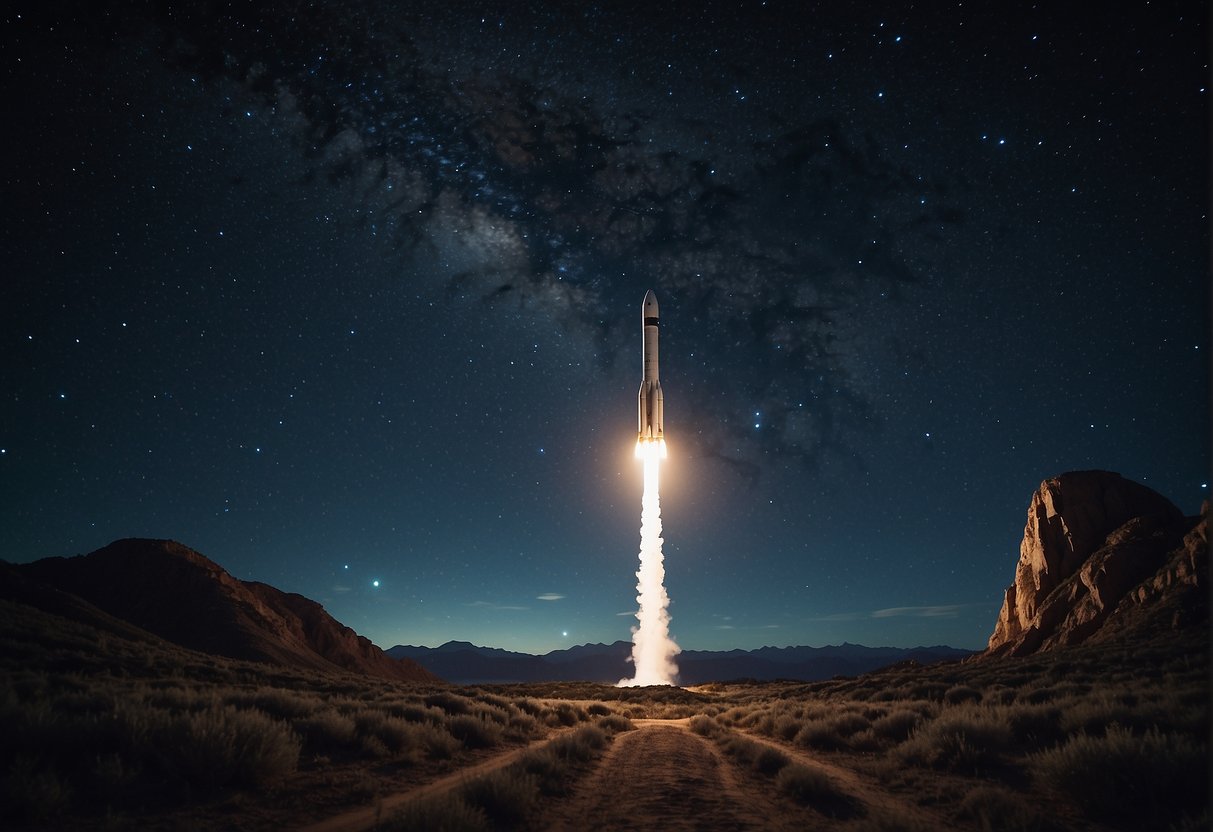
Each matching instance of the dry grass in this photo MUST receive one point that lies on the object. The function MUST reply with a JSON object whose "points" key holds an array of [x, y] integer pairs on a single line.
{"points": [[1124, 777], [1111, 734], [813, 788]]}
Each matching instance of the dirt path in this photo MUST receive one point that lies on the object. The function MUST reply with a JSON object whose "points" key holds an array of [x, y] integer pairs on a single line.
{"points": [[366, 817], [664, 777]]}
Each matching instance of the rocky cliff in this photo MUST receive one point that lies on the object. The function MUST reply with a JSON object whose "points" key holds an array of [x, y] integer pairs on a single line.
{"points": [[1102, 555]]}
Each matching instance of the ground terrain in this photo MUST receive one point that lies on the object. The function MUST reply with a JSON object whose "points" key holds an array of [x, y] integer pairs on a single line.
{"points": [[106, 730]]}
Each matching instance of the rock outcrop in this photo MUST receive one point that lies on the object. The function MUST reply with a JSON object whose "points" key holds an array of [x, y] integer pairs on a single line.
{"points": [[1095, 546], [173, 592]]}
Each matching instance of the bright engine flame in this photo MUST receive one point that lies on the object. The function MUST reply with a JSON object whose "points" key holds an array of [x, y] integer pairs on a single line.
{"points": [[647, 449], [653, 649]]}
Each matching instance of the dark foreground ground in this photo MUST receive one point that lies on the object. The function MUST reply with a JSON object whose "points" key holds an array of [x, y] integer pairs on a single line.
{"points": [[106, 731]]}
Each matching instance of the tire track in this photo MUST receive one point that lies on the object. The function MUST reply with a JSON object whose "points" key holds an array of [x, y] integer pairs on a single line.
{"points": [[662, 776]]}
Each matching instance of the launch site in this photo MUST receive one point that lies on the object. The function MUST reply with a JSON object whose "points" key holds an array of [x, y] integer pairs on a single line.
{"points": [[329, 501]]}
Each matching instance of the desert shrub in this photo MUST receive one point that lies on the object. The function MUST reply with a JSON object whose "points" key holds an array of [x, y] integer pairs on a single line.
{"points": [[506, 796], [874, 712], [223, 744], [1131, 781], [1034, 726], [744, 749], [401, 737], [33, 791], [446, 812], [812, 787], [831, 734], [554, 765], [964, 740], [551, 771], [754, 718], [521, 725], [616, 724], [566, 714], [1037, 696], [177, 699], [449, 702], [732, 716], [765, 725], [887, 695], [702, 725], [933, 691], [474, 732], [277, 702], [529, 706], [1094, 714], [369, 721], [373, 747], [581, 744], [864, 694], [325, 731], [416, 712], [896, 725], [786, 727], [994, 809], [999, 695], [437, 742], [597, 709], [490, 713], [769, 761], [849, 723], [496, 701], [820, 734], [959, 694]]}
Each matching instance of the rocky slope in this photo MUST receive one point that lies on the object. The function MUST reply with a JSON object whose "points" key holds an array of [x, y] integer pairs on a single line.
{"points": [[1102, 556], [173, 592]]}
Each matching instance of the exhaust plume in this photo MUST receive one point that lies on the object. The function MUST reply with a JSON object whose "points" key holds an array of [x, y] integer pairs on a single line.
{"points": [[653, 649]]}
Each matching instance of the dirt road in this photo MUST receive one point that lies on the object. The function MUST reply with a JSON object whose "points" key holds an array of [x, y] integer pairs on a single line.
{"points": [[664, 777]]}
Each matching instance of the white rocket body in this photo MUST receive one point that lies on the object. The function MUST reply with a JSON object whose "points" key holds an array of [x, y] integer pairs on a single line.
{"points": [[652, 415]]}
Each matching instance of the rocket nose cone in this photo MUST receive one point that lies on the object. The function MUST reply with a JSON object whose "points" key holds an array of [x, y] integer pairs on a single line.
{"points": [[650, 304]]}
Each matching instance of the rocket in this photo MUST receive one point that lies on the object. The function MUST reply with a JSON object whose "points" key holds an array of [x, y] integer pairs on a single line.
{"points": [[652, 413]]}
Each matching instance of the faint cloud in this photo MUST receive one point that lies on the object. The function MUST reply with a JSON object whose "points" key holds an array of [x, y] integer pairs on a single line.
{"points": [[937, 611], [943, 611], [626, 613], [340, 588], [840, 616], [549, 596], [724, 627], [489, 605], [770, 627]]}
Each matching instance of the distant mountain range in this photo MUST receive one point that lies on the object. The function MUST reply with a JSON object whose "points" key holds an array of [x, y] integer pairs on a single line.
{"points": [[160, 588], [463, 663]]}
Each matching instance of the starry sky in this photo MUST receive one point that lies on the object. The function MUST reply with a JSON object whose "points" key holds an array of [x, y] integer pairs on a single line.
{"points": [[346, 296]]}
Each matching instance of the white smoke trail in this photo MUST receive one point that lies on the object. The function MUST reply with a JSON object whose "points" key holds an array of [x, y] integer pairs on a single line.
{"points": [[653, 649]]}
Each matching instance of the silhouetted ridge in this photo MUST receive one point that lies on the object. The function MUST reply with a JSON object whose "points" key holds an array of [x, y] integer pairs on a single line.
{"points": [[184, 597], [465, 663]]}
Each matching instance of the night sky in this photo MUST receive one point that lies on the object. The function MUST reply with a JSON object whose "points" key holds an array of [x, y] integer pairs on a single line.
{"points": [[347, 298]]}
